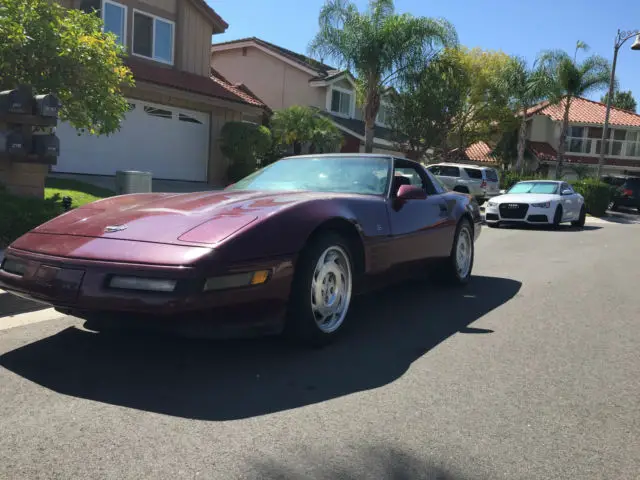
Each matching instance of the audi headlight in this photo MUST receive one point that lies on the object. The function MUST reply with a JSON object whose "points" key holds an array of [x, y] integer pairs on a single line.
{"points": [[147, 284], [492, 204], [541, 205]]}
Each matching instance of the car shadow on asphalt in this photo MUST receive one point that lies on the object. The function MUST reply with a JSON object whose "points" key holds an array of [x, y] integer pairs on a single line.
{"points": [[226, 380], [14, 305]]}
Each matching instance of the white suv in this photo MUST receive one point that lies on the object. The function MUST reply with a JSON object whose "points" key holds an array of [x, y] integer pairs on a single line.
{"points": [[481, 182]]}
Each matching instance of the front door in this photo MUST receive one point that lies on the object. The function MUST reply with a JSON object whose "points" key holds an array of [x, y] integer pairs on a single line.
{"points": [[570, 204], [418, 227]]}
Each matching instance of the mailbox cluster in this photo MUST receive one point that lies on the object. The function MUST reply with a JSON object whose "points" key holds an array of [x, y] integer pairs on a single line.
{"points": [[23, 115]]}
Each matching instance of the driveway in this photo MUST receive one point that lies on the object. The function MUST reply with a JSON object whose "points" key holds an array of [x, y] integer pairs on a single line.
{"points": [[531, 372]]}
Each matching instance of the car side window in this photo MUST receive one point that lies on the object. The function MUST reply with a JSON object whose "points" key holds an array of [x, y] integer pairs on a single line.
{"points": [[416, 176], [449, 171], [474, 173], [435, 169], [438, 186]]}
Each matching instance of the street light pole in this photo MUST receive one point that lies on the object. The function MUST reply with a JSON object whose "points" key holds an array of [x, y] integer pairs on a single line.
{"points": [[621, 37]]}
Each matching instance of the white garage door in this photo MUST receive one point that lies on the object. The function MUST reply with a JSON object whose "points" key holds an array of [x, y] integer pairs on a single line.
{"points": [[170, 143]]}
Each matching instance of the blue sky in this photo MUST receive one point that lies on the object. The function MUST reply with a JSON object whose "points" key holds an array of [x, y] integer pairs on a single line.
{"points": [[520, 27]]}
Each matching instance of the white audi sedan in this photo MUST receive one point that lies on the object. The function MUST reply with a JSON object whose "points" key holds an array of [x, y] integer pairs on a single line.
{"points": [[537, 202]]}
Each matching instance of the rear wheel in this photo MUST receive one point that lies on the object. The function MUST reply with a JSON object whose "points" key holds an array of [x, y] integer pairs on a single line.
{"points": [[581, 219], [458, 267], [321, 291]]}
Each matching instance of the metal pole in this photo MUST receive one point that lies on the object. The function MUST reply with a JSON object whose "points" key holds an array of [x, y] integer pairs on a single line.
{"points": [[605, 131]]}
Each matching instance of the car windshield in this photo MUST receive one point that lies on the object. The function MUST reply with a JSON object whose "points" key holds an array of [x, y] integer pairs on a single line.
{"points": [[363, 175], [534, 187]]}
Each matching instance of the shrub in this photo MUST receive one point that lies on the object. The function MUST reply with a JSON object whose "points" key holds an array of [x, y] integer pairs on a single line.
{"points": [[597, 195], [509, 178], [18, 215], [243, 143]]}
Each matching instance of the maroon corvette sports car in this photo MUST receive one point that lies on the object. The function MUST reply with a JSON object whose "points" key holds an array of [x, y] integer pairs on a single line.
{"points": [[280, 251]]}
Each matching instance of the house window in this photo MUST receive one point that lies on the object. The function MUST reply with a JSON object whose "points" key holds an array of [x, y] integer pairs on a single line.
{"points": [[341, 102], [152, 37], [383, 114], [113, 14]]}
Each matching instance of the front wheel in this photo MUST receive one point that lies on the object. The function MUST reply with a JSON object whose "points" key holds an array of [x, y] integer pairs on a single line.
{"points": [[581, 219], [613, 206], [557, 218], [457, 269], [321, 291]]}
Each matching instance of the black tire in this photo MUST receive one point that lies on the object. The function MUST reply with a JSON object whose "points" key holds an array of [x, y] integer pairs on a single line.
{"points": [[301, 326], [613, 206], [557, 217], [581, 219], [450, 272]]}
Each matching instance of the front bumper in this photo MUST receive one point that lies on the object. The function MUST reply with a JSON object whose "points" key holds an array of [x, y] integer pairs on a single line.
{"points": [[532, 215], [81, 287]]}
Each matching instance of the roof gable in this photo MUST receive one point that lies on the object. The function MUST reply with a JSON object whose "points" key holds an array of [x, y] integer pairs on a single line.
{"points": [[307, 64], [582, 110]]}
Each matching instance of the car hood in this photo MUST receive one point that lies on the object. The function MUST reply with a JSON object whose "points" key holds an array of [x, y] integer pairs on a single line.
{"points": [[524, 198], [204, 217]]}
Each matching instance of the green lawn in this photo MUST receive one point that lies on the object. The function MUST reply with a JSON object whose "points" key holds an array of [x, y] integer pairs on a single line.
{"points": [[80, 192], [18, 215]]}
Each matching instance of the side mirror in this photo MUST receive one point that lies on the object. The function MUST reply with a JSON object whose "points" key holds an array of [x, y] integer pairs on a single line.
{"points": [[567, 192], [411, 192]]}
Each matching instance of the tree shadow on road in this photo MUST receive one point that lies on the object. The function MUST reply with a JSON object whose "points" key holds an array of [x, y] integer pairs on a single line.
{"points": [[216, 380], [386, 463]]}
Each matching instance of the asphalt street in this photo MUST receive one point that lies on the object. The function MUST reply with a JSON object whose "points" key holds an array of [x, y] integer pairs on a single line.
{"points": [[531, 372]]}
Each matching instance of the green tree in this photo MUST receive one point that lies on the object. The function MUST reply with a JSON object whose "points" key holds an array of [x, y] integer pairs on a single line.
{"points": [[572, 78], [623, 100], [424, 110], [65, 52], [243, 143], [526, 86], [485, 109], [296, 126], [380, 45]]}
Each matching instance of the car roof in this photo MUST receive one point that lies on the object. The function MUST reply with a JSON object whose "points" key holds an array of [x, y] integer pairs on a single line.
{"points": [[462, 165], [541, 181], [348, 155]]}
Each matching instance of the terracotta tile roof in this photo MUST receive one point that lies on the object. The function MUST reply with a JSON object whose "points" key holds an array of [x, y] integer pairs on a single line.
{"points": [[545, 152], [542, 150], [479, 152], [190, 82], [583, 110], [322, 68], [238, 89]]}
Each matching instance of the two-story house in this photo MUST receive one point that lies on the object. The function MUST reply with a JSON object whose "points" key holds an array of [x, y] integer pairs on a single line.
{"points": [[177, 106], [282, 78], [583, 142], [584, 138]]}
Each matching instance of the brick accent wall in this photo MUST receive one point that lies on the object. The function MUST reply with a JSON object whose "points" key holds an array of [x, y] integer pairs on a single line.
{"points": [[25, 179]]}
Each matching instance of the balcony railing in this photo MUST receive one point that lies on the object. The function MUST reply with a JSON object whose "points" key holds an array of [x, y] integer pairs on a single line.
{"points": [[592, 146]]}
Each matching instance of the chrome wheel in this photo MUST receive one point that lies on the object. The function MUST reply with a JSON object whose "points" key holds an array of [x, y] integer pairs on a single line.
{"points": [[464, 253], [331, 289]]}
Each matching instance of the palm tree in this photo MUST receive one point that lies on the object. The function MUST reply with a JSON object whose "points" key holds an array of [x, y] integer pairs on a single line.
{"points": [[526, 87], [570, 79], [379, 44], [297, 125]]}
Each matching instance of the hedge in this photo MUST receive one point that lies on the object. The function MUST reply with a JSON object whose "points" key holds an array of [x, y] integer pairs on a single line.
{"points": [[597, 195], [18, 215]]}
